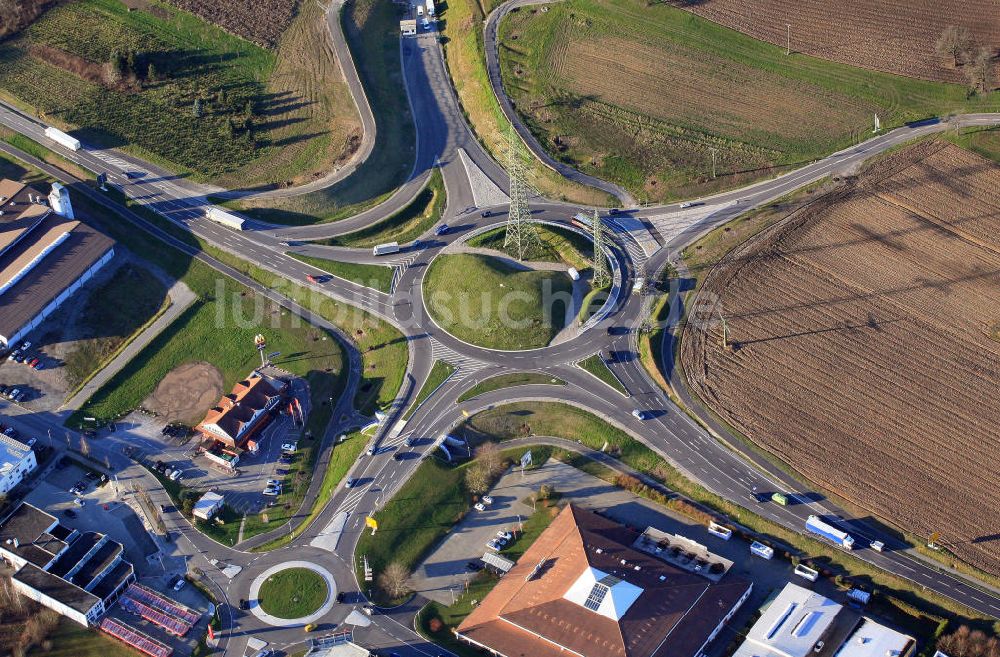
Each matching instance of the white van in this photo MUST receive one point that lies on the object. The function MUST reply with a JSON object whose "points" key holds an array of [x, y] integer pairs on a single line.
{"points": [[420, 10]]}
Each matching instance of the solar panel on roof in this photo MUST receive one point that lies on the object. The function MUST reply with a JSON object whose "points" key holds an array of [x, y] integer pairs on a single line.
{"points": [[609, 581], [596, 597]]}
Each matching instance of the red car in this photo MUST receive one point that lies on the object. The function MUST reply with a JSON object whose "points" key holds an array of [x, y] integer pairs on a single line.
{"points": [[33, 362], [311, 278]]}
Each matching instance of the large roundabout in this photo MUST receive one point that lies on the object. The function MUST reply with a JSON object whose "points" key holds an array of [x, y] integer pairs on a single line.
{"points": [[292, 593]]}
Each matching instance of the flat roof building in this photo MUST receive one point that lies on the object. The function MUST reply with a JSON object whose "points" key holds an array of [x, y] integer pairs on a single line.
{"points": [[870, 639], [17, 461], [76, 574], [207, 505], [581, 588], [45, 257]]}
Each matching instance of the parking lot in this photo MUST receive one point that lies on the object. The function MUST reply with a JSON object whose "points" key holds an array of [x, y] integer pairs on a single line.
{"points": [[446, 569]]}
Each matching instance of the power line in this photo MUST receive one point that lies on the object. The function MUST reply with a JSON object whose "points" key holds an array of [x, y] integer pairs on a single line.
{"points": [[521, 233]]}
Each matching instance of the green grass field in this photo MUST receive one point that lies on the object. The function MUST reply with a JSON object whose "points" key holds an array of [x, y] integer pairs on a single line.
{"points": [[372, 30], [422, 214], [293, 593], [376, 277], [596, 366], [137, 295], [509, 381], [485, 301], [982, 141], [554, 245], [438, 375], [680, 87], [191, 60], [71, 639]]}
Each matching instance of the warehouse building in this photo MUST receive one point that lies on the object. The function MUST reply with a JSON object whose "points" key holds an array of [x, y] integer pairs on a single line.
{"points": [[583, 589], [802, 623], [17, 461], [78, 575], [46, 255]]}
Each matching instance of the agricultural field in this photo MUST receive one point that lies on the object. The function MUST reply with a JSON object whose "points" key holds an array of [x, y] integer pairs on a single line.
{"points": [[897, 36], [260, 21], [183, 93], [866, 344], [644, 94]]}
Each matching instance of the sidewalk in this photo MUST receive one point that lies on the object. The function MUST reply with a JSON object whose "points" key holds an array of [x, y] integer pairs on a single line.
{"points": [[180, 298]]}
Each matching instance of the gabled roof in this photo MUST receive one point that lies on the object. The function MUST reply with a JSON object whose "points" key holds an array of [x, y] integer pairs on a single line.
{"points": [[239, 407], [654, 609]]}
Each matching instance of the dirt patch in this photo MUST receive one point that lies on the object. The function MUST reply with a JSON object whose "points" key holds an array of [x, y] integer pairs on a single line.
{"points": [[863, 350], [148, 7], [260, 21], [186, 393]]}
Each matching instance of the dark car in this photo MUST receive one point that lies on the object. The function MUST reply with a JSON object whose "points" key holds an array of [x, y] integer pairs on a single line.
{"points": [[485, 213], [399, 456], [441, 230], [244, 605]]}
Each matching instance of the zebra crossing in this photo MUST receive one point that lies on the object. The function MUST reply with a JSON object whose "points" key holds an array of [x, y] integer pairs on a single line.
{"points": [[107, 158], [464, 365]]}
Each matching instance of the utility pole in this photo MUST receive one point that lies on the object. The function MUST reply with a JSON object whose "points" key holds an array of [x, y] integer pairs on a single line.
{"points": [[725, 331], [714, 153], [601, 275], [878, 125], [520, 232], [788, 38]]}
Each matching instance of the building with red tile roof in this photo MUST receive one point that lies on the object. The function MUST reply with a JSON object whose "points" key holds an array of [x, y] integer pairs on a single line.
{"points": [[582, 588], [241, 414]]}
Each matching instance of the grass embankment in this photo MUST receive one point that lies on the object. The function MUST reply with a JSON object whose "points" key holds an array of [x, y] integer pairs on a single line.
{"points": [[421, 512], [181, 92], [596, 366], [554, 245], [137, 297], [524, 419], [293, 593], [418, 217], [461, 26], [345, 455], [982, 141], [372, 31], [487, 302], [438, 375], [451, 616], [32, 147], [70, 639], [659, 144], [509, 381], [376, 277]]}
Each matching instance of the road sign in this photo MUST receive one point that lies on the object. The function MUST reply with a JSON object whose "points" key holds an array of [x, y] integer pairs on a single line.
{"points": [[371, 522], [526, 459]]}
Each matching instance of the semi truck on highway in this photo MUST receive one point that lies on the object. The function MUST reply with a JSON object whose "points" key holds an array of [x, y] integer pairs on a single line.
{"points": [[386, 249], [227, 219], [829, 532], [61, 138]]}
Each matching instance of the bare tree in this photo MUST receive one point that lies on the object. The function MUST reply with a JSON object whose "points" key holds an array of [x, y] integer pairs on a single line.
{"points": [[477, 479], [395, 580], [489, 456], [980, 71], [954, 42], [84, 446]]}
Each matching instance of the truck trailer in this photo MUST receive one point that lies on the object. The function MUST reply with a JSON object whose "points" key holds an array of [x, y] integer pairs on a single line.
{"points": [[430, 7], [228, 219], [829, 532], [61, 138], [386, 249]]}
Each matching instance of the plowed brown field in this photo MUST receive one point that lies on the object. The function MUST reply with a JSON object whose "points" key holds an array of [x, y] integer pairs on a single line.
{"points": [[260, 21], [866, 354], [896, 36]]}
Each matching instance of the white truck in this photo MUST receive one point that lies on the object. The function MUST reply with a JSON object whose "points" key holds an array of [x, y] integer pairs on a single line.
{"points": [[430, 7], [61, 138], [228, 219], [386, 249]]}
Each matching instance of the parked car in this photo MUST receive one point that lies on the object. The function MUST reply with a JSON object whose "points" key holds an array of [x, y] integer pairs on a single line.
{"points": [[4, 390], [271, 491], [26, 345], [505, 535], [289, 447], [495, 545], [487, 499], [175, 475], [13, 355], [36, 364], [79, 502], [20, 396], [480, 506], [181, 582]]}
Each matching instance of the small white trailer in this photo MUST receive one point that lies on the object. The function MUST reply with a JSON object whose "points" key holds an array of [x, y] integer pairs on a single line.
{"points": [[63, 139], [386, 249], [228, 219]]}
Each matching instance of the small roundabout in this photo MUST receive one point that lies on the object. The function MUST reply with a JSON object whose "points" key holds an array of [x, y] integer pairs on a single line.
{"points": [[292, 593]]}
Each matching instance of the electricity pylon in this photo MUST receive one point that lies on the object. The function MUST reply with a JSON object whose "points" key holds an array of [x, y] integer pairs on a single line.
{"points": [[521, 232], [601, 275]]}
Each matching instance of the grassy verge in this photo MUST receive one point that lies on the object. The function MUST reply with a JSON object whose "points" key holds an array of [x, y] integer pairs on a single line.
{"points": [[421, 512], [344, 456], [372, 31], [32, 147], [376, 277], [666, 143], [406, 225], [596, 366], [71, 639], [554, 245], [487, 302], [461, 26], [509, 381], [982, 141], [438, 375], [524, 419]]}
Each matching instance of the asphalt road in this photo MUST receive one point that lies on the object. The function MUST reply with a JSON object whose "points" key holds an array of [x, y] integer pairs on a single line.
{"points": [[725, 470]]}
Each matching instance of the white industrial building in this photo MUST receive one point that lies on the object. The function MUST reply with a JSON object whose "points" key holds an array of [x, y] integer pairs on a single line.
{"points": [[802, 623], [46, 255], [207, 505], [17, 460], [78, 575]]}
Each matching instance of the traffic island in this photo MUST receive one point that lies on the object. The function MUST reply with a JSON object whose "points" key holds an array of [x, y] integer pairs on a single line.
{"points": [[292, 594]]}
